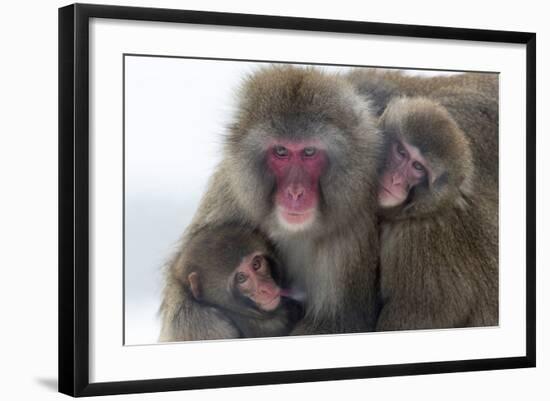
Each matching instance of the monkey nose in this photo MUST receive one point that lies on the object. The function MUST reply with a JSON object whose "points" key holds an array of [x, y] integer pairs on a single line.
{"points": [[396, 179], [295, 192]]}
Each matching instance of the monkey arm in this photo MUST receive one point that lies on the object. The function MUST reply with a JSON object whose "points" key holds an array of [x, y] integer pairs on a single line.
{"points": [[309, 326], [197, 323], [440, 275], [349, 322], [183, 319], [432, 301], [398, 314]]}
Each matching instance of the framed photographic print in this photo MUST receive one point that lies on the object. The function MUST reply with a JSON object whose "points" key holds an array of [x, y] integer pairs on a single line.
{"points": [[239, 185]]}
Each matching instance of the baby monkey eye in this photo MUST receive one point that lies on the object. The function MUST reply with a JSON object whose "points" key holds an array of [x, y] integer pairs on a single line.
{"points": [[401, 150], [418, 166], [309, 152], [280, 151], [241, 278], [257, 262]]}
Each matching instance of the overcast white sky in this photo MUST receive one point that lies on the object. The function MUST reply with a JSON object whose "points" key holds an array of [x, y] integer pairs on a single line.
{"points": [[176, 112]]}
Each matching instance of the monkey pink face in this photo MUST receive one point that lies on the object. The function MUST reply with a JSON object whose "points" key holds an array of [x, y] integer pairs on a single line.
{"points": [[253, 280], [297, 167], [405, 168]]}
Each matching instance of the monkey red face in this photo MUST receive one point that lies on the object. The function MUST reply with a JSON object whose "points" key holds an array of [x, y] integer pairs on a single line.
{"points": [[253, 280], [297, 167], [405, 168]]}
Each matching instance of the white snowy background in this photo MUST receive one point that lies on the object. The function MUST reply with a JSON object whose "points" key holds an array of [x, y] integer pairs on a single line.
{"points": [[176, 111]]}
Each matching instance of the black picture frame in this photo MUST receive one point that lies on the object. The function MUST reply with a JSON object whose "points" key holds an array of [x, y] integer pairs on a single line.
{"points": [[74, 198]]}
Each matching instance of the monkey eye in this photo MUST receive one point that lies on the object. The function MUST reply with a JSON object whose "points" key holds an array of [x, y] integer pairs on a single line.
{"points": [[241, 278], [280, 151], [401, 150], [256, 262], [309, 152], [419, 167]]}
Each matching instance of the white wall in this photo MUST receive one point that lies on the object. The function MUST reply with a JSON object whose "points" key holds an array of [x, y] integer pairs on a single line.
{"points": [[28, 205]]}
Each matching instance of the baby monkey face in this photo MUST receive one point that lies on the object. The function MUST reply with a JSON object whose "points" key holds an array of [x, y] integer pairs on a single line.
{"points": [[253, 280]]}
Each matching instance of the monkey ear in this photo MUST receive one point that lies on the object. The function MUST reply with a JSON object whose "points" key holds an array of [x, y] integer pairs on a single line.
{"points": [[195, 285]]}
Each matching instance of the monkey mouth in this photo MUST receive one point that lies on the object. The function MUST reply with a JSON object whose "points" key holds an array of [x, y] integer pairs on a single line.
{"points": [[272, 304], [387, 199], [296, 218], [387, 190]]}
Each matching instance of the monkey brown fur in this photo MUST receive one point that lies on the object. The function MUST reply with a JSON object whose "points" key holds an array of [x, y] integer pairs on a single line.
{"points": [[300, 164], [383, 85], [439, 250]]}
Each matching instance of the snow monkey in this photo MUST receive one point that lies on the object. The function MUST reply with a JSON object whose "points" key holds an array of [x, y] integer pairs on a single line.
{"points": [[439, 232], [300, 165]]}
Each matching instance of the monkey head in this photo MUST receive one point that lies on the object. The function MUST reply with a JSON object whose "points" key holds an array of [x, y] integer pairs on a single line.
{"points": [[428, 163], [297, 150], [233, 269]]}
